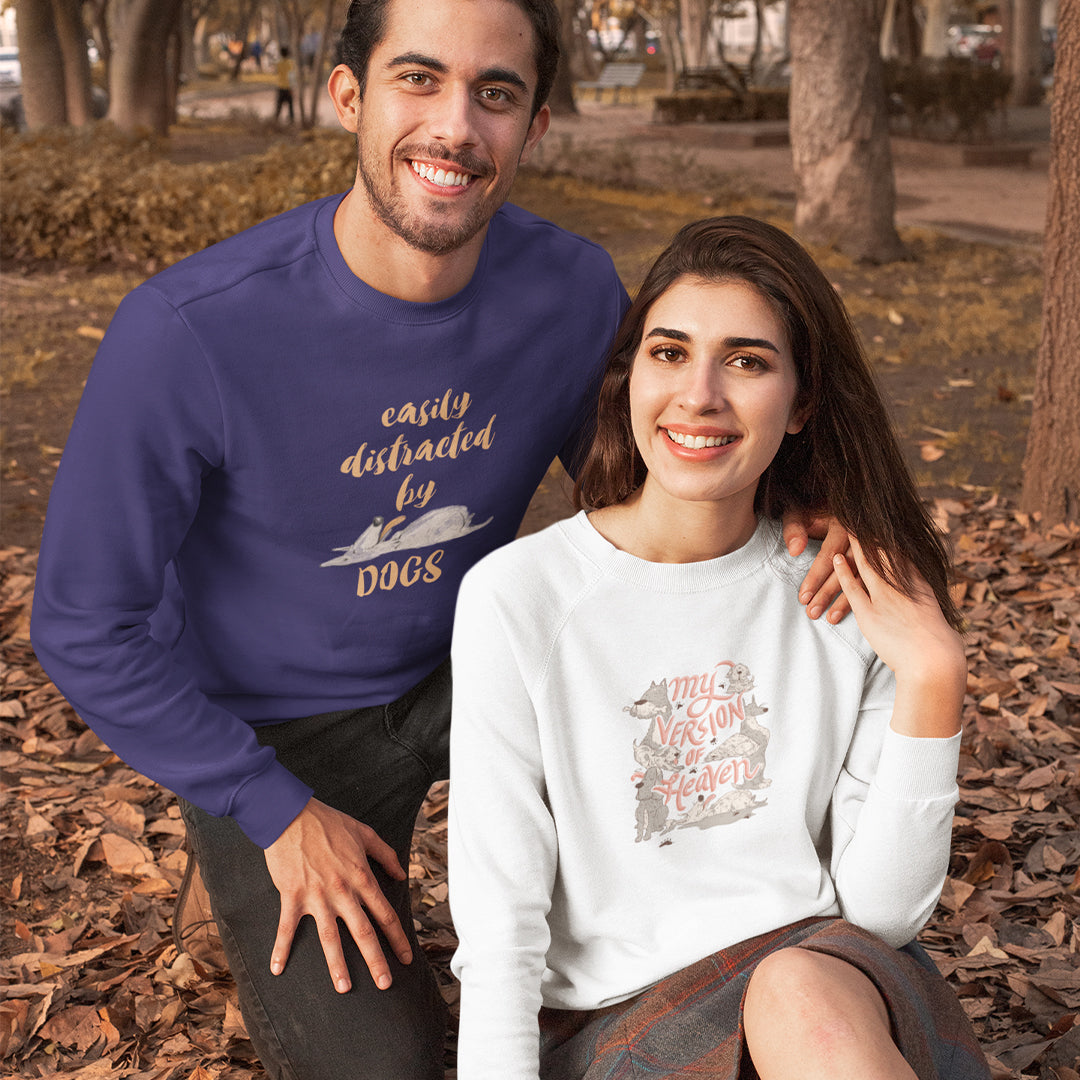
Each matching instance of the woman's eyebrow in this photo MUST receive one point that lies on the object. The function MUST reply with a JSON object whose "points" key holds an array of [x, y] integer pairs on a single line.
{"points": [[729, 343], [662, 331], [750, 343]]}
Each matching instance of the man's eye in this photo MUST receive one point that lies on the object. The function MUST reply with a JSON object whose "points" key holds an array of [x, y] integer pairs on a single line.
{"points": [[417, 78], [494, 94]]}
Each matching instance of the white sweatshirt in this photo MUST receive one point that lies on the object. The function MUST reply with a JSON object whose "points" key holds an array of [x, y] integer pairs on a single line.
{"points": [[651, 762]]}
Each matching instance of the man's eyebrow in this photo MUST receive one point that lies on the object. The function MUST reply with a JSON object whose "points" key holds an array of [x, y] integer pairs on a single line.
{"points": [[504, 75], [419, 59], [494, 74]]}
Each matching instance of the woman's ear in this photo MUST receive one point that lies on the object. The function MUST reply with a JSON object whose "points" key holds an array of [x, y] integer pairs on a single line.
{"points": [[797, 420]]}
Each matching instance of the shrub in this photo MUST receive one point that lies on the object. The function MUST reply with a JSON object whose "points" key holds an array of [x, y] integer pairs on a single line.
{"points": [[96, 196], [951, 98], [720, 106]]}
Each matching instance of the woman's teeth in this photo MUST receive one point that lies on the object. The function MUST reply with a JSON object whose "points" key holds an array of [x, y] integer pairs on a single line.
{"points": [[697, 442]]}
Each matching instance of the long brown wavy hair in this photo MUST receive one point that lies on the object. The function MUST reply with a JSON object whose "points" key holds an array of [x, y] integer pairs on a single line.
{"points": [[846, 461]]}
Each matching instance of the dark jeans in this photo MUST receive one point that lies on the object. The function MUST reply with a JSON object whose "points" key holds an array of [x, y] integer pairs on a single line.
{"points": [[377, 765], [284, 97]]}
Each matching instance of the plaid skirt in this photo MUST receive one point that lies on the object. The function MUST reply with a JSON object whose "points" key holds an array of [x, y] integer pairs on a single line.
{"points": [[690, 1024]]}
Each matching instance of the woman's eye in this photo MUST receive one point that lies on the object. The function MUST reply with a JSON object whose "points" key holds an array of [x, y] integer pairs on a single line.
{"points": [[750, 363], [668, 353]]}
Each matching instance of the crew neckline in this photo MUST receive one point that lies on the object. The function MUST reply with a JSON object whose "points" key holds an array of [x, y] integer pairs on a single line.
{"points": [[764, 548], [391, 308]]}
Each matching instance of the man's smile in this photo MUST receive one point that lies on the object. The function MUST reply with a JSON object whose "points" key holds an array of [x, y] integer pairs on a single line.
{"points": [[441, 176]]}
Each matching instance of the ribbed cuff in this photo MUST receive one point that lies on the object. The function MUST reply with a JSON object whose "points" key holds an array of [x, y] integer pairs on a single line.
{"points": [[917, 769], [267, 804]]}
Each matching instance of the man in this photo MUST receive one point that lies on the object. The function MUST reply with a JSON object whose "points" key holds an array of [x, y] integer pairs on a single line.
{"points": [[291, 448]]}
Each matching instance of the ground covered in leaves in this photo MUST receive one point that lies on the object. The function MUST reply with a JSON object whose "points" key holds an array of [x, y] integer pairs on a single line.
{"points": [[92, 984], [95, 987]]}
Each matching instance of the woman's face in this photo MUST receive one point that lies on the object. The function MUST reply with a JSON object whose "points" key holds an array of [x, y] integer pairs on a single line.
{"points": [[712, 392]]}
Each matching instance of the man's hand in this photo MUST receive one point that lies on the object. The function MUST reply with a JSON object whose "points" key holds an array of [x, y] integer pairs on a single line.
{"points": [[820, 587], [320, 867]]}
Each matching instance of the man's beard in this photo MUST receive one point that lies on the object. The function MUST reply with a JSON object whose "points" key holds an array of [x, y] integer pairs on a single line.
{"points": [[430, 237]]}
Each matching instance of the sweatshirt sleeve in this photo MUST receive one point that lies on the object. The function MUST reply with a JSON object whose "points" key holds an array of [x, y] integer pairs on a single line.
{"points": [[574, 450], [148, 430], [891, 815], [502, 848]]}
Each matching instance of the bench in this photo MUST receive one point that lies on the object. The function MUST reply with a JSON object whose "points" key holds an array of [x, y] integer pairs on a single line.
{"points": [[616, 76]]}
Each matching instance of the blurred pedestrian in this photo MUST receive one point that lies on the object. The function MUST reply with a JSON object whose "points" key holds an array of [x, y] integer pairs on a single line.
{"points": [[284, 72]]}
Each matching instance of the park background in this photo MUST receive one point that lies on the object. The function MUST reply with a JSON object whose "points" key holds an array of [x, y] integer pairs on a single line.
{"points": [[961, 277]]}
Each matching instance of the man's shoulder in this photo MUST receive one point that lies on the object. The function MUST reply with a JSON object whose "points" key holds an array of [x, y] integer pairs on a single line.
{"points": [[528, 233], [276, 243]]}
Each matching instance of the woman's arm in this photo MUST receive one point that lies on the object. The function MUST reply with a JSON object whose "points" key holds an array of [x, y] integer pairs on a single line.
{"points": [[502, 844], [892, 806]]}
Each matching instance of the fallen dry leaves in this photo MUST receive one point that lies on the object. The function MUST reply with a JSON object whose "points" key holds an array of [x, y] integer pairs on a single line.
{"points": [[93, 986]]}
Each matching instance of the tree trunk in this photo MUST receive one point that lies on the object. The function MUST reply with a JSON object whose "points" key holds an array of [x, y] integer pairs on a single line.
{"points": [[694, 19], [935, 39], [1052, 461], [562, 91], [139, 91], [318, 68], [844, 185], [71, 35], [1025, 53], [44, 101]]}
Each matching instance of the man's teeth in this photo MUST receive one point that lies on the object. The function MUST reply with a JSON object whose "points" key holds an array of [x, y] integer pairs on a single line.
{"points": [[697, 442], [442, 177]]}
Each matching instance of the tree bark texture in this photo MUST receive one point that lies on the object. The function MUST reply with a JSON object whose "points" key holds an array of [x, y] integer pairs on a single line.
{"points": [[1025, 52], [44, 101], [140, 74], [71, 34], [845, 190], [694, 20], [561, 99], [1052, 461]]}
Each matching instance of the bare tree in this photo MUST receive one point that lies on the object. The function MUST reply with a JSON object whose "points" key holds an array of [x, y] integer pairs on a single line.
{"points": [[143, 73], [1052, 461], [301, 17], [55, 65], [845, 188], [562, 91]]}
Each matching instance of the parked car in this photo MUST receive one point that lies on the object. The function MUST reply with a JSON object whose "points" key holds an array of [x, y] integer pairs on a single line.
{"points": [[965, 39], [10, 68]]}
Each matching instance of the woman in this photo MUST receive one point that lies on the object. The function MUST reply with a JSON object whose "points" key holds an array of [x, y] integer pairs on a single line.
{"points": [[691, 829]]}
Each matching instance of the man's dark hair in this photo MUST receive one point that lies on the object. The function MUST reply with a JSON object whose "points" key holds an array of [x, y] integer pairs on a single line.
{"points": [[365, 26]]}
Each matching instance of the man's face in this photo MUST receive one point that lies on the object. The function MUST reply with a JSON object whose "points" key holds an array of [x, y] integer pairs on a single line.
{"points": [[445, 118]]}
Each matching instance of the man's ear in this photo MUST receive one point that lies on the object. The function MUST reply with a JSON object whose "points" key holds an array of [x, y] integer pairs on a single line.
{"points": [[345, 96], [537, 129]]}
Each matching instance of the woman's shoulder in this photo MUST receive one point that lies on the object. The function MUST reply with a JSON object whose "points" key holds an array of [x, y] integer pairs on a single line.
{"points": [[540, 567]]}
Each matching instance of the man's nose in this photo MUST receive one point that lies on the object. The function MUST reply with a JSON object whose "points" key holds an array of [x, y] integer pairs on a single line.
{"points": [[453, 117]]}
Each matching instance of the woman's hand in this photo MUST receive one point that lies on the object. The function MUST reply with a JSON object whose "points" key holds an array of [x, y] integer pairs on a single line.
{"points": [[911, 636]]}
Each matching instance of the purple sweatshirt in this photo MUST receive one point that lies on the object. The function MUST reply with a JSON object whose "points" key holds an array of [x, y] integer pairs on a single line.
{"points": [[277, 477]]}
